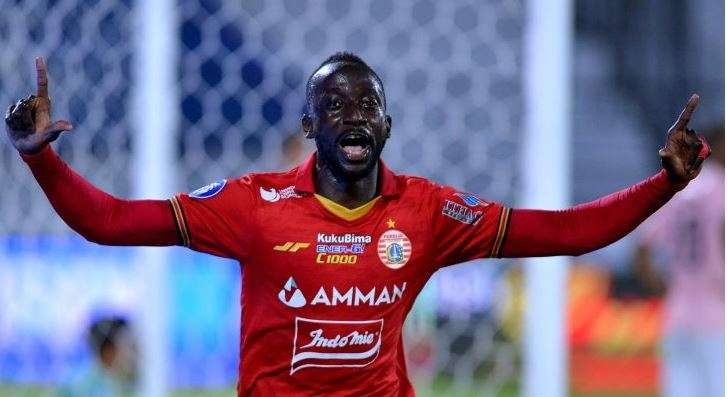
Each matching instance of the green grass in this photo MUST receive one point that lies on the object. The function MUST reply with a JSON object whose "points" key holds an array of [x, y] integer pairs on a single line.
{"points": [[24, 391]]}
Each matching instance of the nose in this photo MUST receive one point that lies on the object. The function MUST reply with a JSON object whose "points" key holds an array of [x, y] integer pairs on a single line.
{"points": [[353, 116]]}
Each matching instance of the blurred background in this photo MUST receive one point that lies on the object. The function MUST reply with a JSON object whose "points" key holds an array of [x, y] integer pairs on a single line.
{"points": [[453, 72]]}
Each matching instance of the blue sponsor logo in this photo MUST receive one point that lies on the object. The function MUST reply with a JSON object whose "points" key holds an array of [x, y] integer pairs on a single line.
{"points": [[340, 249], [209, 191], [469, 199]]}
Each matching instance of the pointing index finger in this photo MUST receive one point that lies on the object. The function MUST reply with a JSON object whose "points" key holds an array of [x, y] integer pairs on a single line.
{"points": [[686, 114], [41, 77]]}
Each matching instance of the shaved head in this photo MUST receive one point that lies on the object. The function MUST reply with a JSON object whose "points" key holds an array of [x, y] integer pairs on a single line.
{"points": [[346, 116], [330, 65]]}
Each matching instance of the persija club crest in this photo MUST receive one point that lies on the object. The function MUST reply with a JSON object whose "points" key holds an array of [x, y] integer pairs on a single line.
{"points": [[394, 249]]}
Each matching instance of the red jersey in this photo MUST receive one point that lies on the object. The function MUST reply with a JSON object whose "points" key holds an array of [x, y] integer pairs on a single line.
{"points": [[325, 298]]}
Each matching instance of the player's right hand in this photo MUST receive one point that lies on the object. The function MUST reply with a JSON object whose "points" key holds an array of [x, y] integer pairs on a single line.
{"points": [[28, 121]]}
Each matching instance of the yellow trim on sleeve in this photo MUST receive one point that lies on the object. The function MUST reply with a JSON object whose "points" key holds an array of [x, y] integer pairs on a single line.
{"points": [[346, 213], [496, 251], [181, 223]]}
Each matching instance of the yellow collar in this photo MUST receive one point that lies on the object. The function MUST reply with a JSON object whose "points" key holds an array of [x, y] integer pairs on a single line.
{"points": [[347, 213]]}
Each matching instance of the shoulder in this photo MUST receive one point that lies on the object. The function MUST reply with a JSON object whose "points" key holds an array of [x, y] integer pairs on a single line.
{"points": [[269, 186], [416, 185], [269, 179], [249, 185], [411, 184]]}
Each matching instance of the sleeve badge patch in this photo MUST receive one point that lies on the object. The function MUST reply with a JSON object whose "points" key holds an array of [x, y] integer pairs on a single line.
{"points": [[461, 213], [469, 199], [208, 191]]}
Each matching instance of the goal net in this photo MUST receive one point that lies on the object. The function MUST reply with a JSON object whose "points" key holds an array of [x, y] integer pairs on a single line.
{"points": [[451, 70]]}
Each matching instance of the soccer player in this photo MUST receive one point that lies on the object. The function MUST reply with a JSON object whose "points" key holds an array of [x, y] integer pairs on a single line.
{"points": [[335, 251]]}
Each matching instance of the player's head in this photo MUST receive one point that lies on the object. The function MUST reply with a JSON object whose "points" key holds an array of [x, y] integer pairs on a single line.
{"points": [[345, 114]]}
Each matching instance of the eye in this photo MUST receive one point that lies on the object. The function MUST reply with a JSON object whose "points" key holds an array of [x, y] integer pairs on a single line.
{"points": [[334, 104], [368, 104]]}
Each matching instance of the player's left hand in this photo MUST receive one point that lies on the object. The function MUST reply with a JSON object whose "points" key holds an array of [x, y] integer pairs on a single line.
{"points": [[684, 151]]}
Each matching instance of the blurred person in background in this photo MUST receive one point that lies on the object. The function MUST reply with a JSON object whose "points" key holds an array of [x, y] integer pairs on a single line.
{"points": [[686, 239], [113, 371], [380, 231]]}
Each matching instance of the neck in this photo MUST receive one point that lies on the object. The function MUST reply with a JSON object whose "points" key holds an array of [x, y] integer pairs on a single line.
{"points": [[350, 194]]}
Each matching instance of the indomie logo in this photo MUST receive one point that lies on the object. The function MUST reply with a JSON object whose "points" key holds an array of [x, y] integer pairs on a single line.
{"points": [[332, 343], [354, 338]]}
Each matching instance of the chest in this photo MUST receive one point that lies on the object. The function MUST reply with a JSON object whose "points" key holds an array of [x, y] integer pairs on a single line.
{"points": [[375, 260]]}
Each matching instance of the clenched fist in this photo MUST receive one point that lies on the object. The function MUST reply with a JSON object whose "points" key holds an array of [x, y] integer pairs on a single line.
{"points": [[684, 151], [28, 121]]}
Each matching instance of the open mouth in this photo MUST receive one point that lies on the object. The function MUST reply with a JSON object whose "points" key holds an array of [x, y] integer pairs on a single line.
{"points": [[356, 145]]}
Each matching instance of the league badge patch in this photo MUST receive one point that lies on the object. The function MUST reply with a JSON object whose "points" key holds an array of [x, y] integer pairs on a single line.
{"points": [[209, 191], [394, 249]]}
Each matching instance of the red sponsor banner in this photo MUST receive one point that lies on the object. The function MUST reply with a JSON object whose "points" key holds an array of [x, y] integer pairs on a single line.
{"points": [[332, 343]]}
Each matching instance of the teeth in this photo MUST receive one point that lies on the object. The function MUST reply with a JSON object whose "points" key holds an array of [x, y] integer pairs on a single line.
{"points": [[355, 139], [355, 152]]}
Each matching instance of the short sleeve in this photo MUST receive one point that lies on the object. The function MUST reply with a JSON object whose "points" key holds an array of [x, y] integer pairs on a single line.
{"points": [[467, 227], [217, 218]]}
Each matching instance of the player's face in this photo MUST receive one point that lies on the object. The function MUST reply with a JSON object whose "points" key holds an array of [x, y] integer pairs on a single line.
{"points": [[348, 120]]}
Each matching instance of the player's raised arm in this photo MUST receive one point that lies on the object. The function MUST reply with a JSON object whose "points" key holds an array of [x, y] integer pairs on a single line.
{"points": [[96, 215], [587, 227]]}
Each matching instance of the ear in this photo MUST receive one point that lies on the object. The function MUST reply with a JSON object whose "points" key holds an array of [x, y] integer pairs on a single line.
{"points": [[388, 126], [307, 123]]}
